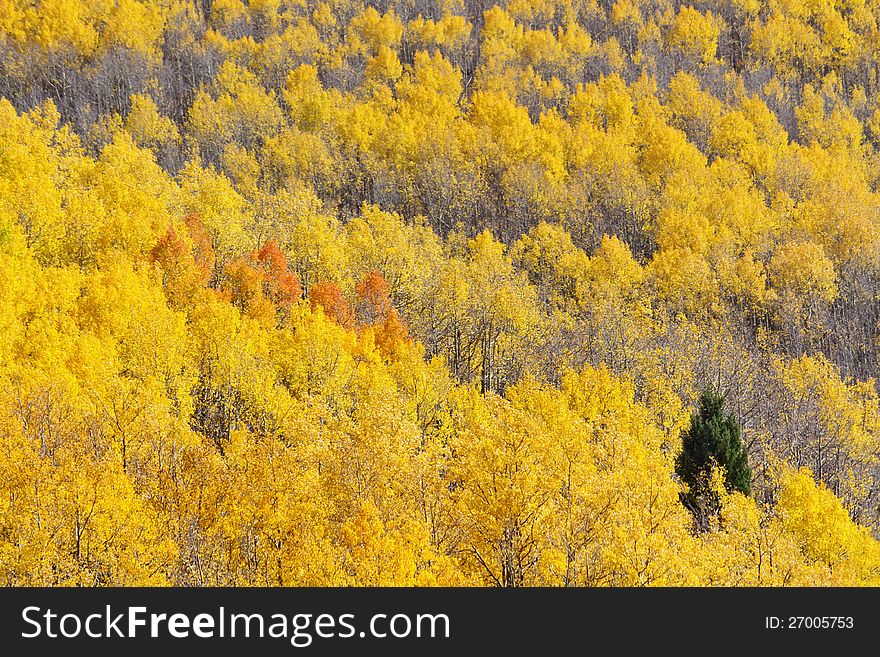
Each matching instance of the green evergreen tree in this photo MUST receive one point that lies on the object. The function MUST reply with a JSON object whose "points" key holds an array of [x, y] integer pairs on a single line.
{"points": [[713, 440]]}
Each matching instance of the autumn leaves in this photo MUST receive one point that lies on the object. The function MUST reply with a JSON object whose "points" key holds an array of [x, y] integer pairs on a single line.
{"points": [[313, 293]]}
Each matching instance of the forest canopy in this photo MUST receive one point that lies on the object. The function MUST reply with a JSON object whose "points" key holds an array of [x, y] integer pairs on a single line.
{"points": [[417, 292]]}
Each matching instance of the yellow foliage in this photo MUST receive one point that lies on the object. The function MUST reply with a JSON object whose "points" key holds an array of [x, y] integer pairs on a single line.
{"points": [[304, 294], [694, 35]]}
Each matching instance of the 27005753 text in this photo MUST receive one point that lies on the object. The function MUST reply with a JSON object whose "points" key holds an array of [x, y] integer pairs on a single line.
{"points": [[809, 622]]}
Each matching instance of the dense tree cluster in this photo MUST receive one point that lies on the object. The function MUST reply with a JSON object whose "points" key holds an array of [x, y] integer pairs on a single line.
{"points": [[415, 292]]}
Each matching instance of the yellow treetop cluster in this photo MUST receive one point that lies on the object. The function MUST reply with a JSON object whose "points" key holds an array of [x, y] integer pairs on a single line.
{"points": [[332, 293]]}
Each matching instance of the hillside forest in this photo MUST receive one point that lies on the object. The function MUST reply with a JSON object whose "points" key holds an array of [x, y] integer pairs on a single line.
{"points": [[432, 292]]}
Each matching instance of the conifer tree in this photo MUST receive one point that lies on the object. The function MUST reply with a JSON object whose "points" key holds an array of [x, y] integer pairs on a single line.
{"points": [[713, 440]]}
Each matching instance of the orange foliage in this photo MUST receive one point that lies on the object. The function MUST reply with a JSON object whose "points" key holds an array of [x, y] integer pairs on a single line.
{"points": [[279, 284], [203, 250], [328, 297], [261, 283], [374, 309], [169, 250], [391, 333], [181, 276], [373, 299]]}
